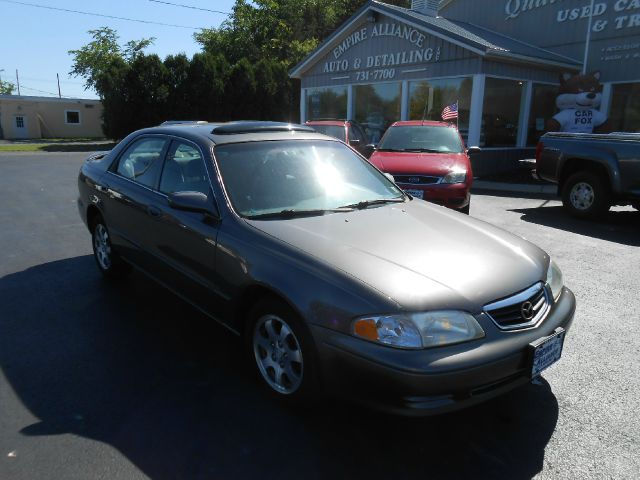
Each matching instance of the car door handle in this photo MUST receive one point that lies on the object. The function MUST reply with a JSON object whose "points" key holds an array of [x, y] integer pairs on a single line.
{"points": [[154, 211]]}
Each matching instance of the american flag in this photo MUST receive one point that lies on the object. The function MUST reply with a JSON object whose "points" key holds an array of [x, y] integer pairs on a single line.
{"points": [[450, 111]]}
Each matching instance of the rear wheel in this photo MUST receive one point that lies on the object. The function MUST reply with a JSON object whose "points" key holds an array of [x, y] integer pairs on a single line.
{"points": [[109, 262], [282, 350], [585, 195]]}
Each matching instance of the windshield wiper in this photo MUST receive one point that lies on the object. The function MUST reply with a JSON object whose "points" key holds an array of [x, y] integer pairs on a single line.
{"points": [[292, 213], [426, 150], [368, 203]]}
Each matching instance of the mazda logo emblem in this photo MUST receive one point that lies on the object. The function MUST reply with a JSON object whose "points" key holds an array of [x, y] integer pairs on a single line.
{"points": [[527, 310]]}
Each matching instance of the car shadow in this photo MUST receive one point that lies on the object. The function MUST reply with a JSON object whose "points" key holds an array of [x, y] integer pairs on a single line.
{"points": [[134, 367], [620, 226]]}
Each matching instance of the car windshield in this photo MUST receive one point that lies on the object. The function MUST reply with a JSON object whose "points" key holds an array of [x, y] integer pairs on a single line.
{"points": [[300, 177], [336, 131], [421, 138]]}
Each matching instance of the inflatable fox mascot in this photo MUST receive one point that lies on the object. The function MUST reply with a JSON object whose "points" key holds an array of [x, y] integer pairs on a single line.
{"points": [[578, 102]]}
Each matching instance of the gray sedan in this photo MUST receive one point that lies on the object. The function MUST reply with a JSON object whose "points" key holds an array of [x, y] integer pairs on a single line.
{"points": [[339, 282]]}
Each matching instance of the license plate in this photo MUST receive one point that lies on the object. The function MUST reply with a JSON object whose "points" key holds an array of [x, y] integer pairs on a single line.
{"points": [[415, 193], [546, 351]]}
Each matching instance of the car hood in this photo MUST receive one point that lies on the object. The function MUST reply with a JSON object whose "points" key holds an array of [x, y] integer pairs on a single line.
{"points": [[420, 255], [399, 163]]}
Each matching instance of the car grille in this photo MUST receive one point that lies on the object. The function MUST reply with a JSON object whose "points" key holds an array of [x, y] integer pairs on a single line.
{"points": [[522, 310], [416, 179]]}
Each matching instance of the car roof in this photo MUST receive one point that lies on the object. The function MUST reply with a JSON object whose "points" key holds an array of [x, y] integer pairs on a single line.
{"points": [[423, 123], [237, 132]]}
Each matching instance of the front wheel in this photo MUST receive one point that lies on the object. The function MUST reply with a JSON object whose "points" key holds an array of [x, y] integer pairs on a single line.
{"points": [[282, 350], [585, 195], [109, 262]]}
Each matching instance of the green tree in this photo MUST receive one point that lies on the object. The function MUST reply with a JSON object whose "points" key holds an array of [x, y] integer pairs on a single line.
{"points": [[242, 96], [96, 58], [6, 88], [177, 81], [282, 29], [206, 87]]}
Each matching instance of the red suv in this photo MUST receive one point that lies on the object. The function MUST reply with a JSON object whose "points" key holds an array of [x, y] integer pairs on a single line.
{"points": [[428, 160], [349, 131]]}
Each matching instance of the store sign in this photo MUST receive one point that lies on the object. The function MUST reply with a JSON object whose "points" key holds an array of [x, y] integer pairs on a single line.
{"points": [[384, 65], [625, 13]]}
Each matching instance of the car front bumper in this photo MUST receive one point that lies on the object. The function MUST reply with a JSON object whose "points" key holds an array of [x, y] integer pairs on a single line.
{"points": [[436, 380], [452, 195]]}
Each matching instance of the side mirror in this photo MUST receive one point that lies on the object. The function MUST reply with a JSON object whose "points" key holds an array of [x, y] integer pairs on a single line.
{"points": [[390, 177], [473, 150], [190, 201]]}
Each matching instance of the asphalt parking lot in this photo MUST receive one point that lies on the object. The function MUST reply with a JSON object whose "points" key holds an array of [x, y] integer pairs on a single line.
{"points": [[126, 381]]}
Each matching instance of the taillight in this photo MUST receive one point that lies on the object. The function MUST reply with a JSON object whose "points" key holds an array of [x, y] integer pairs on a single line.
{"points": [[539, 149]]}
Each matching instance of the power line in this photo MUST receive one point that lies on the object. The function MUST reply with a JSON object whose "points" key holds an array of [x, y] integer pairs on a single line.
{"points": [[189, 6], [42, 80], [99, 15], [42, 91]]}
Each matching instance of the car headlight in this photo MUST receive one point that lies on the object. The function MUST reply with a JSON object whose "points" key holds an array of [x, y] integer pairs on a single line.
{"points": [[419, 330], [455, 176], [554, 279]]}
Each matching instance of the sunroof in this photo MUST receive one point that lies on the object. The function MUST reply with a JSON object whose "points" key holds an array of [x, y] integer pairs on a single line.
{"points": [[232, 128]]}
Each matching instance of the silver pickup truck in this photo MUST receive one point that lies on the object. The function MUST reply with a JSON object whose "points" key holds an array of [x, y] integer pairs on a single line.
{"points": [[593, 172]]}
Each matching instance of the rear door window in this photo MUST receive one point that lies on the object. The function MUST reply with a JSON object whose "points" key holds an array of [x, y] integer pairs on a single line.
{"points": [[141, 162]]}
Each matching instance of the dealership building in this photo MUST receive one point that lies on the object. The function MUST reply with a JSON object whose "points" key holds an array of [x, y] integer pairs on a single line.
{"points": [[500, 60]]}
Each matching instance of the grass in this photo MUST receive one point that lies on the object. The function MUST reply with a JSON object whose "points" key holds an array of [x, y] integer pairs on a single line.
{"points": [[56, 147]]}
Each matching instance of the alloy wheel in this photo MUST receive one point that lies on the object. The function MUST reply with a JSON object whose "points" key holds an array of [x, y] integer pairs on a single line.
{"points": [[582, 196], [278, 354], [102, 246]]}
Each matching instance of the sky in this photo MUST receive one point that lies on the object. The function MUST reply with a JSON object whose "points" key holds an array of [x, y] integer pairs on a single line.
{"points": [[36, 41]]}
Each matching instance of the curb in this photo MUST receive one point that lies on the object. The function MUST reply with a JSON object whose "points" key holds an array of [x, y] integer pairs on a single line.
{"points": [[482, 185]]}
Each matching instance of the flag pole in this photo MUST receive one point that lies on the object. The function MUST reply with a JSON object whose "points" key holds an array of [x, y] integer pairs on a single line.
{"points": [[588, 39]]}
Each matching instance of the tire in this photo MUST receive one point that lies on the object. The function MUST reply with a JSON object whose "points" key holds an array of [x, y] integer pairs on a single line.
{"points": [[585, 195], [466, 209], [282, 351], [109, 262]]}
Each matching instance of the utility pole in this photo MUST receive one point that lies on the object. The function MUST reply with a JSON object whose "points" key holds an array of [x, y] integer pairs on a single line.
{"points": [[59, 94], [1, 132], [18, 81]]}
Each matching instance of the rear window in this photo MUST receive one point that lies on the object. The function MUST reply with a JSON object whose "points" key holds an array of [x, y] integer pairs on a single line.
{"points": [[334, 131], [421, 138]]}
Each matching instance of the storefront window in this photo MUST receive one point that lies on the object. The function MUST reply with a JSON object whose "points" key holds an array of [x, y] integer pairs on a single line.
{"points": [[428, 98], [327, 103], [624, 114], [376, 107], [500, 112], [543, 107]]}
